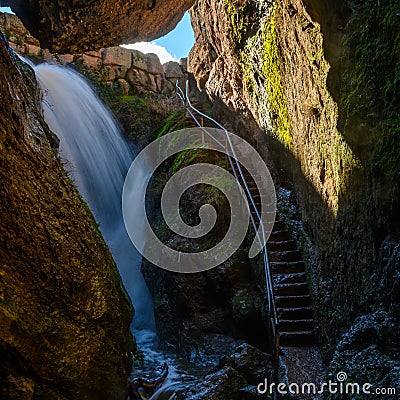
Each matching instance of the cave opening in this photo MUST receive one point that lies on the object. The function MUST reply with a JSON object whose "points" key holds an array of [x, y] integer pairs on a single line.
{"points": [[6, 10], [172, 46]]}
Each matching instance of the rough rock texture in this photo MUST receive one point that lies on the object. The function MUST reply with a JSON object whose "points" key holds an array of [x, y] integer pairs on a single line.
{"points": [[225, 301], [75, 26], [235, 377], [172, 70], [220, 385], [370, 346], [321, 80], [133, 71], [249, 361], [19, 37], [64, 315]]}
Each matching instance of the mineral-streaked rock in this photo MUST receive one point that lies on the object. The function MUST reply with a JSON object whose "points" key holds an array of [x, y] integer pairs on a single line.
{"points": [[308, 68]]}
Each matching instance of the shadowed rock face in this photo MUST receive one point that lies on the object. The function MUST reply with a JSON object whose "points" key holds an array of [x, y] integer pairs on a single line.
{"points": [[64, 315], [79, 25]]}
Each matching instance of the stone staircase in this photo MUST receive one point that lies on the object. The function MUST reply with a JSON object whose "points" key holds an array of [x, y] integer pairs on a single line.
{"points": [[292, 297], [291, 292]]}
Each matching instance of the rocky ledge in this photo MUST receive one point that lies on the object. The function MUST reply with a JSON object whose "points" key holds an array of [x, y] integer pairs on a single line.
{"points": [[131, 69], [73, 26], [236, 377]]}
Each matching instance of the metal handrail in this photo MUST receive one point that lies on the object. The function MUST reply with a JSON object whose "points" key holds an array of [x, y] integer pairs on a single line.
{"points": [[268, 279]]}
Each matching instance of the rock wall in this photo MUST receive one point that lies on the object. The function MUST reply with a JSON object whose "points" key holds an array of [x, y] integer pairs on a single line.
{"points": [[79, 25], [18, 36], [132, 70], [321, 81], [64, 314], [195, 310]]}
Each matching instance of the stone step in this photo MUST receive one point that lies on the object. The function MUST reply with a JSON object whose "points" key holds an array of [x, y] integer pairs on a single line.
{"points": [[293, 301], [290, 255], [281, 245], [286, 267], [297, 339], [256, 198], [295, 313], [280, 236], [264, 217], [267, 225], [295, 325], [257, 202], [265, 200], [298, 277], [252, 186], [291, 289], [279, 226]]}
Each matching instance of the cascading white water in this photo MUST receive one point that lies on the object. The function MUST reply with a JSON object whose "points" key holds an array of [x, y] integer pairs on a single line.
{"points": [[98, 158]]}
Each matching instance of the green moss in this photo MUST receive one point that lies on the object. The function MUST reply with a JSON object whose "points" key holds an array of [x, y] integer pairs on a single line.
{"points": [[7, 33], [345, 162], [173, 122], [190, 202], [134, 100], [18, 40], [271, 70], [371, 81], [243, 25], [179, 161], [242, 303], [246, 35], [141, 115], [243, 21], [34, 56]]}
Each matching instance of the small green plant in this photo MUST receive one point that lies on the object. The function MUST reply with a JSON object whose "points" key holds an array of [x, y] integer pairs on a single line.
{"points": [[174, 122]]}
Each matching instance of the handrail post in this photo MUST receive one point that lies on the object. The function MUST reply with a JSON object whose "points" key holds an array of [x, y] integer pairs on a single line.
{"points": [[276, 355]]}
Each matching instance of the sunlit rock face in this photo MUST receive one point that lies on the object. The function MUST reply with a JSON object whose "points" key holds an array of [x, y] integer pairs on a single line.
{"points": [[74, 26]]}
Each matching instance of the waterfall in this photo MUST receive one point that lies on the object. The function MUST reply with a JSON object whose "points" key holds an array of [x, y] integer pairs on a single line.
{"points": [[97, 158]]}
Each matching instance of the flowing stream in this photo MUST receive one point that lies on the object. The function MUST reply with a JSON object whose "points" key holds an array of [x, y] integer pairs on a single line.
{"points": [[98, 157]]}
